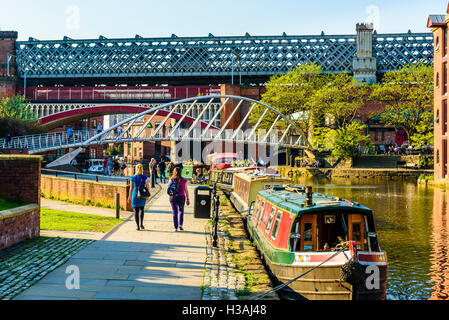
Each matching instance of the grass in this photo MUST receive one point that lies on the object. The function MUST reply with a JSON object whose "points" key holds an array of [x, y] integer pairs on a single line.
{"points": [[6, 204], [73, 221]]}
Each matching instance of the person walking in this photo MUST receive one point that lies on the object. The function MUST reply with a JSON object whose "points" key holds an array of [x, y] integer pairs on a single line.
{"points": [[138, 181], [69, 134], [179, 197], [110, 165], [153, 171], [161, 166], [105, 166]]}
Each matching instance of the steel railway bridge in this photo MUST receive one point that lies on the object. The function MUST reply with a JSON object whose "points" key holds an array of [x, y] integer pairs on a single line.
{"points": [[213, 60]]}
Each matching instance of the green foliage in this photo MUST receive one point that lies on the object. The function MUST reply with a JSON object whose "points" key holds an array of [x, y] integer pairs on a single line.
{"points": [[344, 142], [114, 150], [311, 99], [426, 162], [426, 177], [16, 108], [408, 95]]}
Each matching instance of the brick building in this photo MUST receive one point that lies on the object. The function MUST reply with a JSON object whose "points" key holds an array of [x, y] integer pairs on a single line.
{"points": [[439, 26]]}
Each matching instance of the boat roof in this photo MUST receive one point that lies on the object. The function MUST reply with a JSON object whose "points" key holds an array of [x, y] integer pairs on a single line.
{"points": [[293, 200]]}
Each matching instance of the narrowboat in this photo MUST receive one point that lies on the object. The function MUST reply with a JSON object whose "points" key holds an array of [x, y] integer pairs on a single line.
{"points": [[224, 166], [296, 230], [248, 183]]}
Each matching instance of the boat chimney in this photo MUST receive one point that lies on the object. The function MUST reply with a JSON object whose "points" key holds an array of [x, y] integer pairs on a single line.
{"points": [[309, 196]]}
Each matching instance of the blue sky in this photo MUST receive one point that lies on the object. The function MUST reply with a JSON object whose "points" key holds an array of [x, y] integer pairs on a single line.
{"points": [[87, 19]]}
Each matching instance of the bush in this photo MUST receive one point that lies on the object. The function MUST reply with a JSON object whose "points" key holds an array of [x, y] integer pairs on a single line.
{"points": [[19, 127]]}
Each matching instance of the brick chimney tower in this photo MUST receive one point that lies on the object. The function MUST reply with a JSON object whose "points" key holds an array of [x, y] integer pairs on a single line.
{"points": [[7, 52]]}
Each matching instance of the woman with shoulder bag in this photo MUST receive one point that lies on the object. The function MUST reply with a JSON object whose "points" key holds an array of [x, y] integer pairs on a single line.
{"points": [[179, 196], [138, 194]]}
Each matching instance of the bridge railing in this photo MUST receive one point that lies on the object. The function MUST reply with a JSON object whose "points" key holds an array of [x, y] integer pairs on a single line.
{"points": [[116, 93], [46, 140]]}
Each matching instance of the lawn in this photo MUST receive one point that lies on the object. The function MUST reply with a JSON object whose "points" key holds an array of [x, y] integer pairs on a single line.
{"points": [[73, 221], [6, 204]]}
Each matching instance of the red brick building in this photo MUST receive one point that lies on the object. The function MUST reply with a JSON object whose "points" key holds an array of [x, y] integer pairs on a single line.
{"points": [[439, 27]]}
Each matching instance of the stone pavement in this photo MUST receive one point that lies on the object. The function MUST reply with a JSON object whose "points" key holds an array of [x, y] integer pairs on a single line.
{"points": [[155, 264]]}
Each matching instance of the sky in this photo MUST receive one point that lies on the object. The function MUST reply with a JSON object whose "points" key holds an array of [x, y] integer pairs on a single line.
{"points": [[88, 19]]}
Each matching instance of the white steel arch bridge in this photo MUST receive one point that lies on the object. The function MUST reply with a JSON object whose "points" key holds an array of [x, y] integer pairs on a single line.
{"points": [[134, 129]]}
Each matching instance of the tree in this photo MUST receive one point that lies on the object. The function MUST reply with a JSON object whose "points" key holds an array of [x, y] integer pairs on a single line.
{"points": [[344, 142], [290, 94], [16, 108], [408, 97]]}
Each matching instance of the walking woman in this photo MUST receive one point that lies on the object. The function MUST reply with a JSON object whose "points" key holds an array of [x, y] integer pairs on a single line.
{"points": [[179, 199], [139, 180]]}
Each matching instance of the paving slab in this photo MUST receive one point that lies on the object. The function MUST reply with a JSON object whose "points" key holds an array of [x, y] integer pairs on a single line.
{"points": [[155, 264]]}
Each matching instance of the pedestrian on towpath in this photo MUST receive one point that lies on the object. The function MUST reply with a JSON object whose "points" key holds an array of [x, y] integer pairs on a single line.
{"points": [[161, 166], [179, 197], [139, 180], [153, 172]]}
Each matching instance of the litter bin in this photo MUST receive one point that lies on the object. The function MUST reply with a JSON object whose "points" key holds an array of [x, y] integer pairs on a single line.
{"points": [[203, 201]]}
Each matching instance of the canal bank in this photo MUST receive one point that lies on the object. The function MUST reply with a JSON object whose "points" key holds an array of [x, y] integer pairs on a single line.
{"points": [[376, 173]]}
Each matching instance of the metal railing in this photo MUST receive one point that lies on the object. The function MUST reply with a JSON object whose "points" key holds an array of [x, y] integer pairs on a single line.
{"points": [[85, 176], [47, 140]]}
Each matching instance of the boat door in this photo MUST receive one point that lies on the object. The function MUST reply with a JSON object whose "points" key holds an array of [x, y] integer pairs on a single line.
{"points": [[356, 229], [304, 234]]}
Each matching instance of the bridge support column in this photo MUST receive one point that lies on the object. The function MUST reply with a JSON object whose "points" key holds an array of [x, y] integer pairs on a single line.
{"points": [[364, 64], [7, 52]]}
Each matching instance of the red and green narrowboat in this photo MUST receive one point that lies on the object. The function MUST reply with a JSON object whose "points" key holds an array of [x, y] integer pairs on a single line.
{"points": [[295, 230]]}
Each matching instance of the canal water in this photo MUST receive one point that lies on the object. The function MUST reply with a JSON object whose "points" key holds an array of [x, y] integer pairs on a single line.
{"points": [[413, 228]]}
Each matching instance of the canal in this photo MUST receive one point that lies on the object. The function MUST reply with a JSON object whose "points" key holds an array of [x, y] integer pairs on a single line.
{"points": [[412, 225]]}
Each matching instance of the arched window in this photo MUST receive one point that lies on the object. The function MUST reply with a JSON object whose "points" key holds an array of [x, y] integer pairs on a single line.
{"points": [[438, 156], [437, 80], [437, 44]]}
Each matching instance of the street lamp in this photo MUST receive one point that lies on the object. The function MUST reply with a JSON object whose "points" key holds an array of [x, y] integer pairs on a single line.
{"points": [[9, 56]]}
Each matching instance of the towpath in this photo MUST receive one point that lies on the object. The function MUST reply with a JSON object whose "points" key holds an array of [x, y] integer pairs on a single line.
{"points": [[157, 263]]}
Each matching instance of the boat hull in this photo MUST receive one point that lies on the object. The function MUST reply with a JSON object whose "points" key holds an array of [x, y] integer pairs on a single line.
{"points": [[322, 283]]}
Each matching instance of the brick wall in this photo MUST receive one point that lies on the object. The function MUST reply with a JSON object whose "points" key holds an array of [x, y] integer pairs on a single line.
{"points": [[7, 45], [20, 182], [80, 191], [18, 225], [20, 178]]}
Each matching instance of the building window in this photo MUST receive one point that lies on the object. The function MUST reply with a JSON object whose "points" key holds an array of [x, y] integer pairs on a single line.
{"points": [[438, 157], [93, 124], [437, 80], [444, 78], [437, 44], [93, 153], [445, 42], [444, 117]]}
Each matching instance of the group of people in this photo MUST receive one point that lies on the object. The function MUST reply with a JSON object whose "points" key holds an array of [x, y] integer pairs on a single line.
{"points": [[112, 166], [178, 198]]}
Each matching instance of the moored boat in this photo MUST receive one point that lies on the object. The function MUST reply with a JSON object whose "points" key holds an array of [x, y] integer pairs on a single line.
{"points": [[296, 230]]}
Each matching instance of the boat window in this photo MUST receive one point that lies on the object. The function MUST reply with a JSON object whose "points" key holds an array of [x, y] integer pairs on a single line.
{"points": [[356, 232], [277, 223], [255, 207], [270, 220], [262, 208], [308, 230]]}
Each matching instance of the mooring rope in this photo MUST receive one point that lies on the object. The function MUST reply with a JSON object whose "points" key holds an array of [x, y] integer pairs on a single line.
{"points": [[260, 296]]}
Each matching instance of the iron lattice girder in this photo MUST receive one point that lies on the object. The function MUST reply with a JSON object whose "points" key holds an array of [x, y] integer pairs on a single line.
{"points": [[393, 51], [212, 56], [183, 56]]}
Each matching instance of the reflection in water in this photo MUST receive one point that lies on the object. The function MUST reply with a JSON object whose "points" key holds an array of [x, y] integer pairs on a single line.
{"points": [[440, 265], [412, 226]]}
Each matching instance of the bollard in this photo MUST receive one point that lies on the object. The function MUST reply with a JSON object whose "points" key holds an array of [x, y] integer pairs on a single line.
{"points": [[117, 205], [216, 205]]}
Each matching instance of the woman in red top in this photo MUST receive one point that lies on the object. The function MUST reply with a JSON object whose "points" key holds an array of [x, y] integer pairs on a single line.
{"points": [[178, 202]]}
